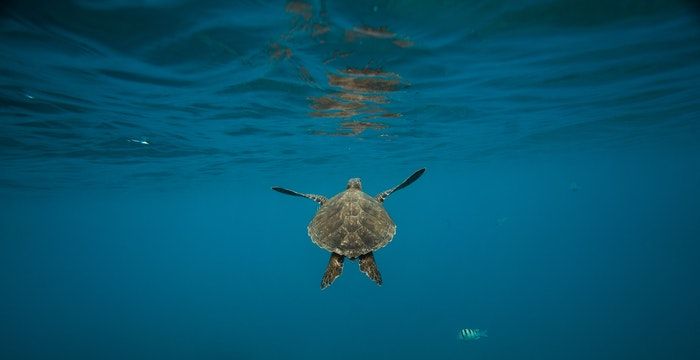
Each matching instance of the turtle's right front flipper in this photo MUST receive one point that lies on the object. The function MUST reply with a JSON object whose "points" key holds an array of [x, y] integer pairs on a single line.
{"points": [[317, 198], [381, 197]]}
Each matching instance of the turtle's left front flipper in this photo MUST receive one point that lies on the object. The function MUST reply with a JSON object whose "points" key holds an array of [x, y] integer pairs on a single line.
{"points": [[317, 198], [369, 267], [405, 183]]}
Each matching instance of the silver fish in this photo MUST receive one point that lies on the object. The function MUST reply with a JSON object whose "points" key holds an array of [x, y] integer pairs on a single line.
{"points": [[471, 334], [142, 142]]}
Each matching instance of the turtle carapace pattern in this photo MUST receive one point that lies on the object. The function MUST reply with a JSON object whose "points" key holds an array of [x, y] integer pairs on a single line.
{"points": [[352, 225]]}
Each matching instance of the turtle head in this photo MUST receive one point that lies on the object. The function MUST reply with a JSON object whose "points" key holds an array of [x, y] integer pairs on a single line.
{"points": [[355, 183]]}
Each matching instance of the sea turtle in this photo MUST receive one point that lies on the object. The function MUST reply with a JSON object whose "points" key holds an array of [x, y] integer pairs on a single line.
{"points": [[352, 224]]}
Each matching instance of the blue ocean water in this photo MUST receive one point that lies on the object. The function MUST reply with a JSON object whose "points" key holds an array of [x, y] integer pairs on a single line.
{"points": [[559, 211]]}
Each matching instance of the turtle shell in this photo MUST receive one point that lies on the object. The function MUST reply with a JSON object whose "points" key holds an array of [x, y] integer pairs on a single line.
{"points": [[351, 224]]}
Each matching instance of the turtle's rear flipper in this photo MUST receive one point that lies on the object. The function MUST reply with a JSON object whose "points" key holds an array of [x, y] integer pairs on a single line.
{"points": [[333, 270], [369, 267]]}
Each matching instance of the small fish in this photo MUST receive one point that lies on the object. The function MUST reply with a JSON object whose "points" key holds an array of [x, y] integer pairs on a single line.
{"points": [[471, 334], [574, 187], [142, 142]]}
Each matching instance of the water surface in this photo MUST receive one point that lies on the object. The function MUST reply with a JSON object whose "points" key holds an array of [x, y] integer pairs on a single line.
{"points": [[139, 141]]}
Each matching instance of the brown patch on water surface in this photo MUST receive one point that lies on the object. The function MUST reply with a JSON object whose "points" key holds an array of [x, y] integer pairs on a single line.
{"points": [[364, 84], [354, 95], [367, 71], [320, 29], [361, 96], [337, 54], [359, 126], [279, 52], [381, 32], [344, 105], [365, 98], [333, 103], [300, 8], [305, 75], [353, 128], [403, 43]]}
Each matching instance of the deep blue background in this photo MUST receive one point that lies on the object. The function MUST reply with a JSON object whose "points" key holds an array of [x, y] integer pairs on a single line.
{"points": [[560, 210]]}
